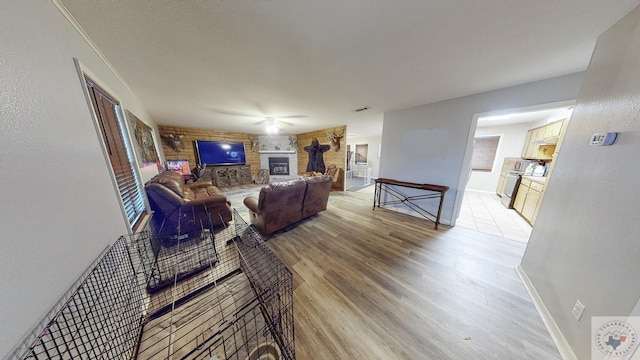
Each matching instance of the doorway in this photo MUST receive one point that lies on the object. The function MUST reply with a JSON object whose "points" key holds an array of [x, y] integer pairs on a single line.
{"points": [[481, 208]]}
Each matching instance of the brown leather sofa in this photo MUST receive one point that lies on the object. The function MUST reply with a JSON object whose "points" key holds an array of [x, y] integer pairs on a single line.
{"points": [[281, 204], [175, 202], [316, 196]]}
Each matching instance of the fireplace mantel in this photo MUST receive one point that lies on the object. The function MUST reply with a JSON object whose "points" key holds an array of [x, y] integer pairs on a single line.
{"points": [[277, 152]]}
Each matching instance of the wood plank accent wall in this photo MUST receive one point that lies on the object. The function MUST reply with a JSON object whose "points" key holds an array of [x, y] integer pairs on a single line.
{"points": [[253, 158], [330, 157], [193, 134]]}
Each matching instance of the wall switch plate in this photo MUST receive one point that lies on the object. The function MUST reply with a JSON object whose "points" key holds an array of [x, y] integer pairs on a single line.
{"points": [[578, 310]]}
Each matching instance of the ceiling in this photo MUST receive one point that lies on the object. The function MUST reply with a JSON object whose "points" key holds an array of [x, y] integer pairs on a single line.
{"points": [[226, 65], [533, 115]]}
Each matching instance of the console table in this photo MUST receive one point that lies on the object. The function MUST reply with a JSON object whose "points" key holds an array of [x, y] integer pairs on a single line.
{"points": [[390, 186], [227, 175]]}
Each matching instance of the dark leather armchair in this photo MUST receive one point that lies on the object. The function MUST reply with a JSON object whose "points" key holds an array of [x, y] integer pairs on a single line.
{"points": [[335, 172], [278, 205], [332, 170], [176, 203]]}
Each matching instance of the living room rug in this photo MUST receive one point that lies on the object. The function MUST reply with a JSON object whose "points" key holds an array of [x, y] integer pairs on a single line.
{"points": [[236, 195]]}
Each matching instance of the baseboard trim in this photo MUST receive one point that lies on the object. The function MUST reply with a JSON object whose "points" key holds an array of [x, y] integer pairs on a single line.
{"points": [[554, 331]]}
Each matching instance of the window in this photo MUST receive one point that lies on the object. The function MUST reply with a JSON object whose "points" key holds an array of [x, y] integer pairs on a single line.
{"points": [[484, 153], [113, 130]]}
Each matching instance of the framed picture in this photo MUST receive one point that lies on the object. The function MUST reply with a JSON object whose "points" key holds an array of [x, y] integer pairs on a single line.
{"points": [[146, 147], [362, 151]]}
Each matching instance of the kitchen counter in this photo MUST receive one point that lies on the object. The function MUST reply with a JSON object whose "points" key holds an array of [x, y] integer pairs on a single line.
{"points": [[537, 179]]}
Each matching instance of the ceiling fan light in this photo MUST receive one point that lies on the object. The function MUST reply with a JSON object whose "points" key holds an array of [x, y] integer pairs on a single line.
{"points": [[271, 129]]}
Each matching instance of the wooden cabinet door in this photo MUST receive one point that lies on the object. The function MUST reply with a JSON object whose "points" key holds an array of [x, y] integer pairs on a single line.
{"points": [[521, 196], [532, 150], [535, 213], [501, 183], [553, 129], [234, 175], [530, 204], [222, 178], [527, 145]]}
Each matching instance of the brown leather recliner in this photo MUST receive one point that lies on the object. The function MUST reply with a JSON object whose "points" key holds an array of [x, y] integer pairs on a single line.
{"points": [[332, 170], [317, 195], [278, 205], [176, 203], [335, 172]]}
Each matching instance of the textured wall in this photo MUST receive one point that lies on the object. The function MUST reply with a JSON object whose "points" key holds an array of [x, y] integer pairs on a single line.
{"points": [[432, 143], [585, 242], [59, 206]]}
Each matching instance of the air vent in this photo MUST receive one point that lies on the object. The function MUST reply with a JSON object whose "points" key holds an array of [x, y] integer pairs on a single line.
{"points": [[361, 109]]}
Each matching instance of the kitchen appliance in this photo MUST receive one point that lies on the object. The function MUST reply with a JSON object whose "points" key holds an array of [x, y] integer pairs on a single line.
{"points": [[539, 170], [510, 189]]}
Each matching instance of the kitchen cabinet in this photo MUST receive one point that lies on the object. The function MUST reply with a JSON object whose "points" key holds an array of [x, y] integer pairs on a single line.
{"points": [[531, 202], [501, 183], [553, 129], [528, 199], [527, 145], [529, 150], [535, 213], [521, 195], [540, 142]]}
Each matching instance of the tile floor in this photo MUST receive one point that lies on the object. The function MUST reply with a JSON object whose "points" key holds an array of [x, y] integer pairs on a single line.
{"points": [[483, 212]]}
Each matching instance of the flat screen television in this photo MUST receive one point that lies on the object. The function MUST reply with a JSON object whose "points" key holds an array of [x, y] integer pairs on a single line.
{"points": [[179, 166], [220, 152]]}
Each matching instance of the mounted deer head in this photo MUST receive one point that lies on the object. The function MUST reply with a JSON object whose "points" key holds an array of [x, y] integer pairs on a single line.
{"points": [[293, 142], [174, 141], [335, 139], [254, 144]]}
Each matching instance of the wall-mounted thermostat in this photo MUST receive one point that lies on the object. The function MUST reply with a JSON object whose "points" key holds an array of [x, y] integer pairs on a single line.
{"points": [[604, 139]]}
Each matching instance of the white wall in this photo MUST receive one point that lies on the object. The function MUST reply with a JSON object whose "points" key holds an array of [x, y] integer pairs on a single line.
{"points": [[511, 142], [59, 207], [432, 143], [372, 158], [585, 243]]}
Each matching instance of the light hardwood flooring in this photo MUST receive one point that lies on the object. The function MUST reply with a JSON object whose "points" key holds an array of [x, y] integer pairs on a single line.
{"points": [[384, 285]]}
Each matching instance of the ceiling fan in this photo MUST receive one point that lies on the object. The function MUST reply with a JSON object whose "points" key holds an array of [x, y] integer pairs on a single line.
{"points": [[273, 125]]}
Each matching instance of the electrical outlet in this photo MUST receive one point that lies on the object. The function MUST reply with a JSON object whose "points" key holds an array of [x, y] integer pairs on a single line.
{"points": [[578, 310]]}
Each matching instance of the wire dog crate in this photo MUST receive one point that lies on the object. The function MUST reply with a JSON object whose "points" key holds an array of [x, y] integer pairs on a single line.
{"points": [[170, 255], [230, 298], [103, 316]]}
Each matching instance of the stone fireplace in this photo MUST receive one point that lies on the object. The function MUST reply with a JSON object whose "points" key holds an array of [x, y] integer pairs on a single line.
{"points": [[278, 165], [278, 154]]}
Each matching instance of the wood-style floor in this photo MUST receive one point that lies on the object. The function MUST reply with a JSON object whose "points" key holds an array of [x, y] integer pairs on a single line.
{"points": [[384, 285]]}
